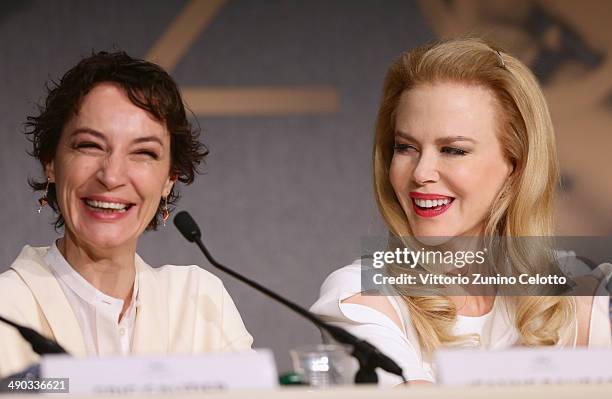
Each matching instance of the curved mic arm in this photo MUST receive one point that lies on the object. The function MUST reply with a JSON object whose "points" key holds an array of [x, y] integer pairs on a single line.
{"points": [[40, 344], [368, 356]]}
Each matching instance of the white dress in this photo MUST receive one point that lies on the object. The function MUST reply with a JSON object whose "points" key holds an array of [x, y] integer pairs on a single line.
{"points": [[401, 344]]}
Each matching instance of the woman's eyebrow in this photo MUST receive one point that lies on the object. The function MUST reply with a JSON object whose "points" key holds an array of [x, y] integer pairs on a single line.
{"points": [[147, 139], [405, 135], [439, 140], [452, 139], [86, 130], [95, 133]]}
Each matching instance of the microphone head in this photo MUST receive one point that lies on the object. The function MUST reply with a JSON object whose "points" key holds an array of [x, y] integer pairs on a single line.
{"points": [[187, 226]]}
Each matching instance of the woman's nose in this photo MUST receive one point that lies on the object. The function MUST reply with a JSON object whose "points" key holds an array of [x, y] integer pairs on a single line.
{"points": [[113, 171], [426, 169]]}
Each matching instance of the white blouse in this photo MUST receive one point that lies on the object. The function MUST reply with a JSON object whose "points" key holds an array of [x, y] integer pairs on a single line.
{"points": [[496, 329], [96, 312]]}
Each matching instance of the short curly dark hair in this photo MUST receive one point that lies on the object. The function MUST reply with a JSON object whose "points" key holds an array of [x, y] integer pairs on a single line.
{"points": [[147, 86]]}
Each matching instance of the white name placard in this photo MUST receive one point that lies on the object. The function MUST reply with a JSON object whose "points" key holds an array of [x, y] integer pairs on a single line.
{"points": [[524, 366], [164, 374]]}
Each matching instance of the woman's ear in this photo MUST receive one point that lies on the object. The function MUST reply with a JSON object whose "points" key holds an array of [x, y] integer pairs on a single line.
{"points": [[50, 172], [169, 184], [512, 165]]}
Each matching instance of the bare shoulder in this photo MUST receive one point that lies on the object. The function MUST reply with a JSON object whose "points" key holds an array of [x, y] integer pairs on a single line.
{"points": [[377, 302], [584, 307]]}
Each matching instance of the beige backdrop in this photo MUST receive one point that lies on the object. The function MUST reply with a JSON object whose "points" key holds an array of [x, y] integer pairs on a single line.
{"points": [[569, 45]]}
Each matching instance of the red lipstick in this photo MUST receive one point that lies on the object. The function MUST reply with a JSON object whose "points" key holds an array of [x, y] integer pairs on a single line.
{"points": [[430, 212]]}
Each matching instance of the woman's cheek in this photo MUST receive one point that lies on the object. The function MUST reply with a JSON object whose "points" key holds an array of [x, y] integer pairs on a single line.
{"points": [[462, 179], [399, 174], [476, 184]]}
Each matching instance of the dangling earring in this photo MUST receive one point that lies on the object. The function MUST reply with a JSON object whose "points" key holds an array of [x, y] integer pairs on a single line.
{"points": [[165, 211], [44, 200]]}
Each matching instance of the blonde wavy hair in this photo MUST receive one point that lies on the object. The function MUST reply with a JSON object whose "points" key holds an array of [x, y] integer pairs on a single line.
{"points": [[523, 208]]}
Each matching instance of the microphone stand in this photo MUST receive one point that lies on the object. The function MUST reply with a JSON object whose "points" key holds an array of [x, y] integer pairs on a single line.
{"points": [[368, 356], [40, 344]]}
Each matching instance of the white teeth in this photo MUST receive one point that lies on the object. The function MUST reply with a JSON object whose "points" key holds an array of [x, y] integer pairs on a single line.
{"points": [[431, 203], [106, 205]]}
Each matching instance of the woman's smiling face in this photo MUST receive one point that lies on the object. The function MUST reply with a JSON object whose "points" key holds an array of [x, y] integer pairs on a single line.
{"points": [[448, 165], [110, 170]]}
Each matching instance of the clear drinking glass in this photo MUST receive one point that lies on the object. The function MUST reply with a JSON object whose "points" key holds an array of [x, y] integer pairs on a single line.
{"points": [[324, 365]]}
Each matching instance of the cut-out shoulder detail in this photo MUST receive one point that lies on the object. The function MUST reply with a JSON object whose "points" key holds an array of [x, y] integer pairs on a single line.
{"points": [[379, 303], [342, 302], [584, 306]]}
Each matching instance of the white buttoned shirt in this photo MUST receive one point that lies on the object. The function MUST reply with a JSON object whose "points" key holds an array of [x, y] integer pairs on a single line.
{"points": [[179, 309], [97, 313]]}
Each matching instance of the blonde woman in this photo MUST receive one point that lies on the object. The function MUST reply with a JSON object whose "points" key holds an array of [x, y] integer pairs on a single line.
{"points": [[464, 147]]}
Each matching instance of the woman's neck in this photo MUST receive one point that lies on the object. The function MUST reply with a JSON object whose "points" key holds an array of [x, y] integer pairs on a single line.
{"points": [[111, 271]]}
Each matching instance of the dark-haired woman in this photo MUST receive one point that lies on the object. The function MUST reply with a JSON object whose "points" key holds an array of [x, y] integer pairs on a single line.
{"points": [[112, 140]]}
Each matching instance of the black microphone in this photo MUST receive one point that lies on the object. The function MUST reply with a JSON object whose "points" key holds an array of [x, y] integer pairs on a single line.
{"points": [[40, 344], [368, 356]]}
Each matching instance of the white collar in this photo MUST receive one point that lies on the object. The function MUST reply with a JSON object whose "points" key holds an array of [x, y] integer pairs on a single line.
{"points": [[81, 287]]}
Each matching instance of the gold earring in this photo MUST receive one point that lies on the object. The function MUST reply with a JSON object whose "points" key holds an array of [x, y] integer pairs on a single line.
{"points": [[165, 211], [44, 200]]}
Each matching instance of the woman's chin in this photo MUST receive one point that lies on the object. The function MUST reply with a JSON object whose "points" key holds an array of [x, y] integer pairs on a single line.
{"points": [[105, 237], [433, 240], [108, 243]]}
